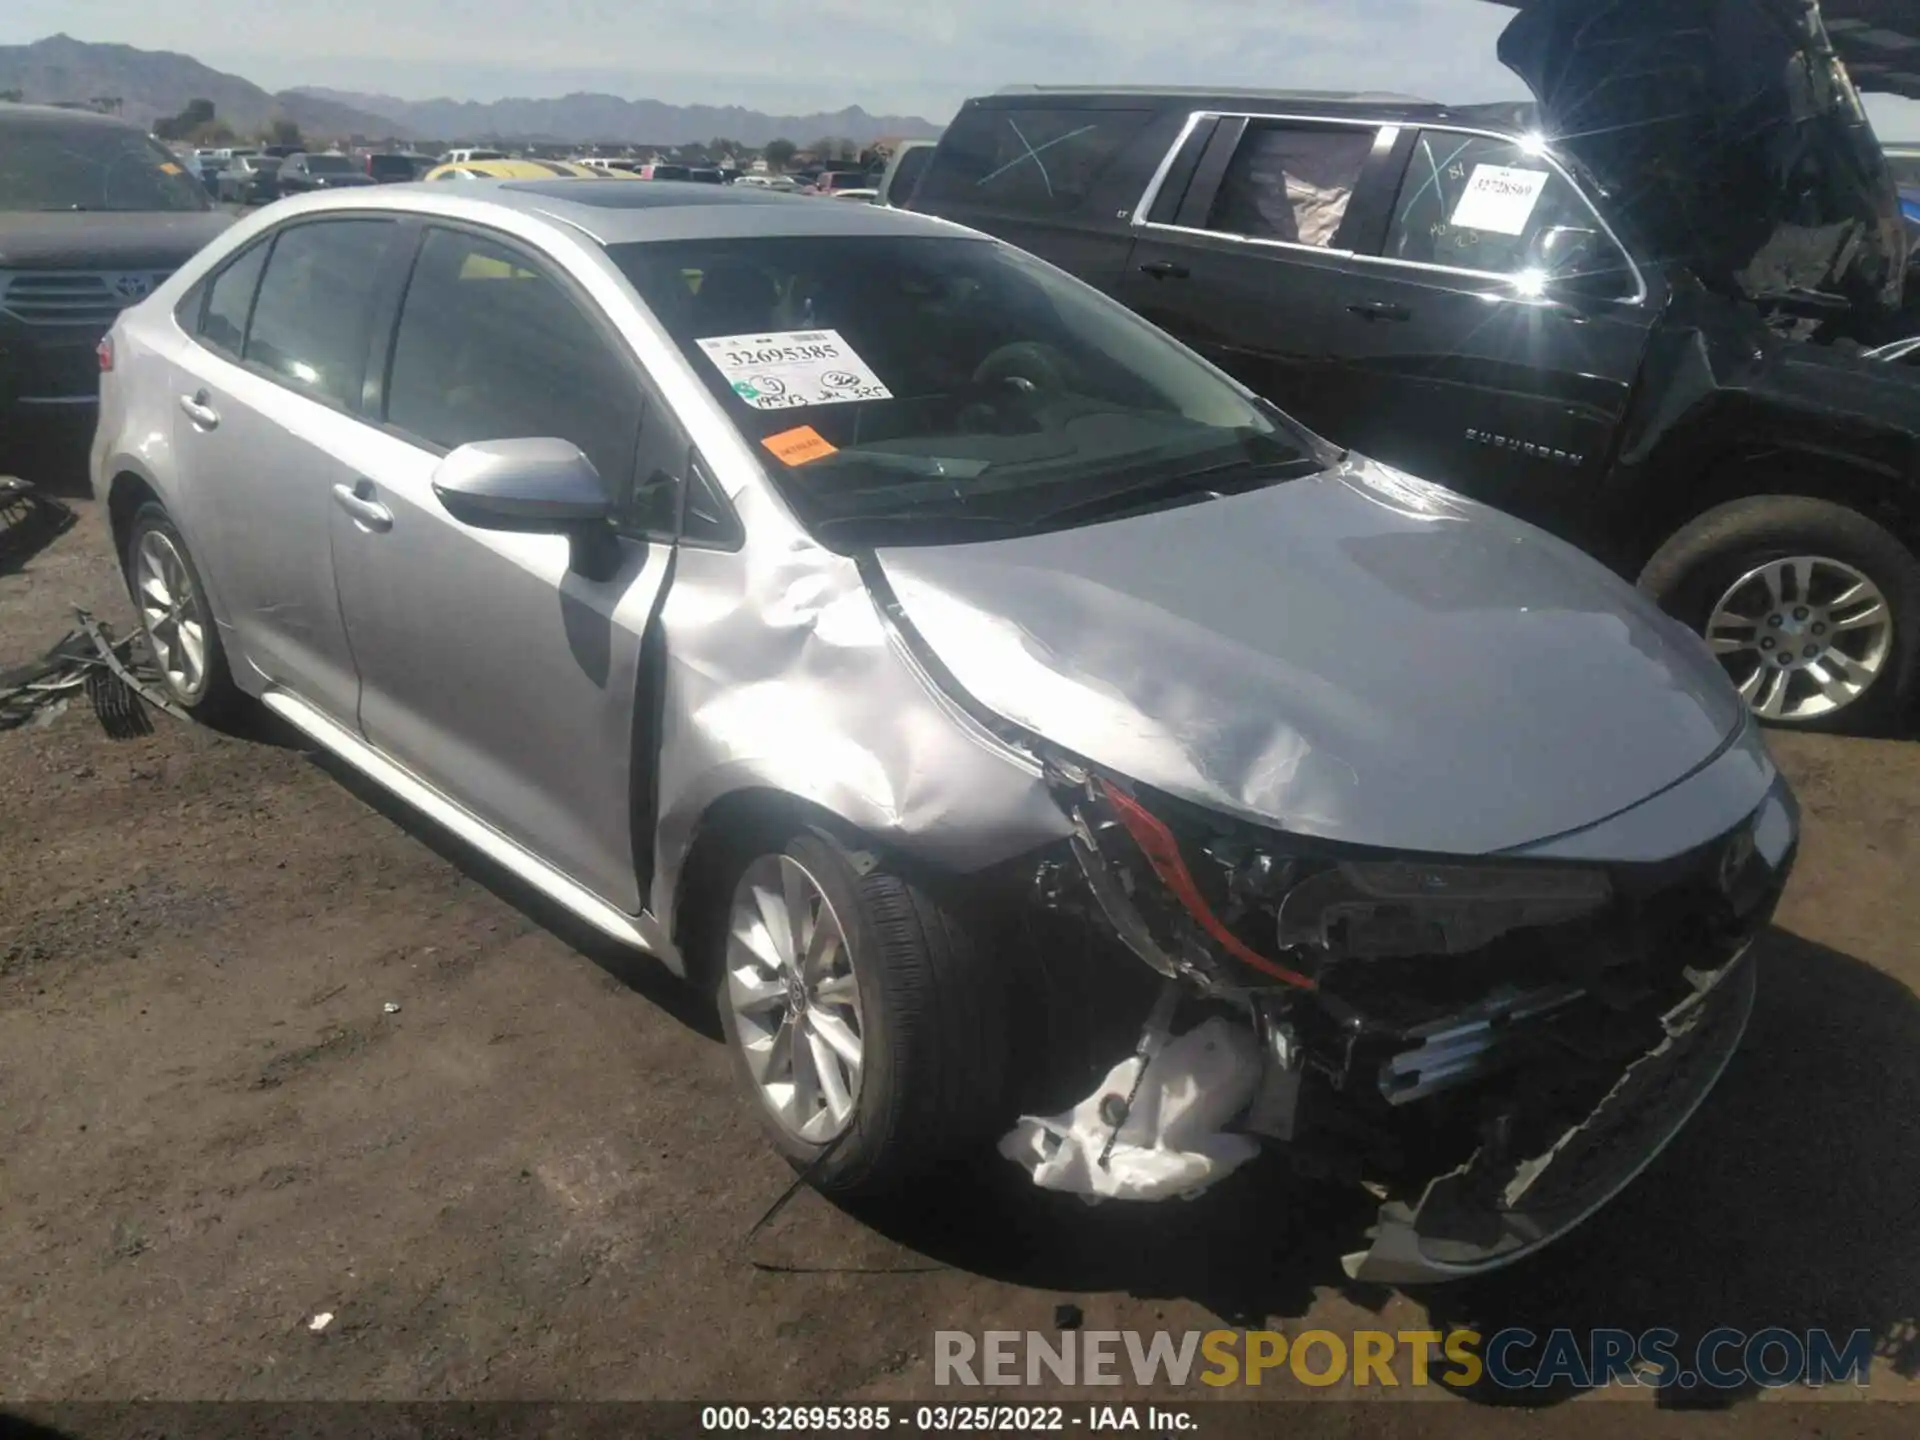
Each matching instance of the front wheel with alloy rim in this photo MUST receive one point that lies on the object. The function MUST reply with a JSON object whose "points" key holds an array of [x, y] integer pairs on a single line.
{"points": [[176, 618], [864, 1021], [1811, 608]]}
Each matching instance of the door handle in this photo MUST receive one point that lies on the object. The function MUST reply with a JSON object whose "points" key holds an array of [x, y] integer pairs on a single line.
{"points": [[199, 411], [1371, 310], [363, 508], [1165, 270]]}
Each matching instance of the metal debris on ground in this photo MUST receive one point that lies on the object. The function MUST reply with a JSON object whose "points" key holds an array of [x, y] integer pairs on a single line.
{"points": [[86, 660], [392, 1007], [28, 517], [320, 1321]]}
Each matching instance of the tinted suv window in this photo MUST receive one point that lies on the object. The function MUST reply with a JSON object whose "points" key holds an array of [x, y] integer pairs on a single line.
{"points": [[59, 165], [310, 324], [490, 348], [231, 299], [1034, 161], [1476, 203], [1291, 183]]}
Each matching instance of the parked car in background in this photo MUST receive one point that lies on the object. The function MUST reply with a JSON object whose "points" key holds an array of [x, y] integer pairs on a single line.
{"points": [[785, 184], [522, 170], [862, 197], [1584, 332], [93, 215], [904, 168], [602, 164], [248, 180], [303, 173], [207, 165], [634, 446], [830, 181], [466, 154], [394, 167], [281, 152], [664, 170]]}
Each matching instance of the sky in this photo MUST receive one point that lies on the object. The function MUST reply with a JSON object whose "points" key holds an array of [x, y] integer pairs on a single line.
{"points": [[795, 56]]}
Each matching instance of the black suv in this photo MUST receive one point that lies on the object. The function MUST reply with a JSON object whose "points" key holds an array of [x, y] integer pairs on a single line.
{"points": [[93, 215], [1648, 337]]}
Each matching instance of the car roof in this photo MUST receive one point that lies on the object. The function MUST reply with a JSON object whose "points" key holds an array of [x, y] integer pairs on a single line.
{"points": [[1356, 104], [515, 169], [13, 111], [629, 211]]}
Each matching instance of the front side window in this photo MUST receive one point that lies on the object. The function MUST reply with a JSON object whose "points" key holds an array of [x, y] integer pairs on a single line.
{"points": [[1041, 161], [1471, 202], [311, 322], [1291, 183], [490, 348], [920, 388], [51, 165]]}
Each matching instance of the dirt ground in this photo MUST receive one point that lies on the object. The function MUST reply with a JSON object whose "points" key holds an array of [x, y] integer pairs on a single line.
{"points": [[534, 1179]]}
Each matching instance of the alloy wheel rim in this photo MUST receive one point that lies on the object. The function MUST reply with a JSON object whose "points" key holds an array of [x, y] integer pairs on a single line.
{"points": [[795, 999], [1803, 637], [172, 615]]}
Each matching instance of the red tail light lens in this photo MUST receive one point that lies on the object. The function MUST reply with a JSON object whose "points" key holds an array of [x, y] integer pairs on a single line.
{"points": [[105, 351]]}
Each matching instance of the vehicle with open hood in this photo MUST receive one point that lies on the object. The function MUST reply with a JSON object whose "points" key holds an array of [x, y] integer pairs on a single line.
{"points": [[1633, 311], [926, 655]]}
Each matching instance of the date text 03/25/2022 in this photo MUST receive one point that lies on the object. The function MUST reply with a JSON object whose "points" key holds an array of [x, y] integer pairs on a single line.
{"points": [[946, 1419]]}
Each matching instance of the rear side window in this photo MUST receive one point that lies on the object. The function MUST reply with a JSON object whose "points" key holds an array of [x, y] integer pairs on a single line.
{"points": [[1472, 202], [230, 301], [310, 322], [1291, 183], [1040, 162], [906, 175], [490, 348]]}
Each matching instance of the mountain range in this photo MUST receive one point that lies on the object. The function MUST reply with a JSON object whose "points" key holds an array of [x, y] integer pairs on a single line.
{"points": [[150, 84]]}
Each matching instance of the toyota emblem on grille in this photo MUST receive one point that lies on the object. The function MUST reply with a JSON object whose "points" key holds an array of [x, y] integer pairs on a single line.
{"points": [[132, 287]]}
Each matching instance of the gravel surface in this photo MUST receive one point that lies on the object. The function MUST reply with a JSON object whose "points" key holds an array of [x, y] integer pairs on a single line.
{"points": [[534, 1178]]}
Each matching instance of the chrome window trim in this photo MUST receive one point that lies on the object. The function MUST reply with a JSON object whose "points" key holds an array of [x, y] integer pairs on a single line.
{"points": [[1642, 291]]}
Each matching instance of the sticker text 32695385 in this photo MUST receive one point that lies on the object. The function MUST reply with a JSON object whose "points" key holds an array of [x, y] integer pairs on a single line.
{"points": [[791, 369]]}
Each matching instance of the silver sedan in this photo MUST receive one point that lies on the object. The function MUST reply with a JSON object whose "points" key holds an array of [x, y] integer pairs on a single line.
{"points": [[932, 659]]}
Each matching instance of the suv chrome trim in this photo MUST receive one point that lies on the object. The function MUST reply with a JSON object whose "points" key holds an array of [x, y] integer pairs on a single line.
{"points": [[1642, 291]]}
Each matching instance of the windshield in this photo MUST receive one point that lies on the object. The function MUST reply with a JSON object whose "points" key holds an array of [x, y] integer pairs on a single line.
{"points": [[912, 388], [329, 165], [91, 167]]}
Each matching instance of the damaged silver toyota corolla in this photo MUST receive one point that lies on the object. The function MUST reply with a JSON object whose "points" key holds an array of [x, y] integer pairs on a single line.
{"points": [[861, 615]]}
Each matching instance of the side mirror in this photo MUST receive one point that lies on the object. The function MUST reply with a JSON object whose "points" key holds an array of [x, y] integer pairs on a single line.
{"points": [[532, 487], [1559, 249]]}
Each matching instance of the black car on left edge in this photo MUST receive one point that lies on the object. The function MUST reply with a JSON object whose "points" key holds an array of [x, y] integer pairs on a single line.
{"points": [[93, 215]]}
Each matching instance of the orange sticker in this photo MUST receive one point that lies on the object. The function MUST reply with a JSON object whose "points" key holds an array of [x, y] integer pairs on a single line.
{"points": [[797, 447], [169, 168]]}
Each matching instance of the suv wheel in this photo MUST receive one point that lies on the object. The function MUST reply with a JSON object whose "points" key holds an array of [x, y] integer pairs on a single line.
{"points": [[182, 638], [1813, 609], [867, 1026]]}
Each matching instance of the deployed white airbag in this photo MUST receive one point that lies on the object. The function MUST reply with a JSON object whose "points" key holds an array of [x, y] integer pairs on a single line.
{"points": [[1171, 1143]]}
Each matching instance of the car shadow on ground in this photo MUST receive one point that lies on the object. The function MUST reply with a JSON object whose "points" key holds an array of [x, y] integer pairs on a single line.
{"points": [[645, 976], [1792, 1200]]}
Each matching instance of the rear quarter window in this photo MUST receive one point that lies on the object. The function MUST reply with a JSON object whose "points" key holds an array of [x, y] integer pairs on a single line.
{"points": [[1038, 161]]}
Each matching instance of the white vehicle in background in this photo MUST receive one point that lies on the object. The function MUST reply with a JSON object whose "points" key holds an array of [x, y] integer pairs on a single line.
{"points": [[786, 184], [466, 155]]}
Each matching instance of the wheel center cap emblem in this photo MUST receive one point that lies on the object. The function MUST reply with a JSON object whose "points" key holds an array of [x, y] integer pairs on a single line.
{"points": [[796, 994]]}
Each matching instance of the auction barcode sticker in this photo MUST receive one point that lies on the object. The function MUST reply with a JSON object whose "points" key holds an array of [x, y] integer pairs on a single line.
{"points": [[1500, 198], [791, 369]]}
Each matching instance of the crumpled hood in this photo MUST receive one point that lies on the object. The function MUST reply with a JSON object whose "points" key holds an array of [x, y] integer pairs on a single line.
{"points": [[1729, 134], [1359, 656], [99, 240]]}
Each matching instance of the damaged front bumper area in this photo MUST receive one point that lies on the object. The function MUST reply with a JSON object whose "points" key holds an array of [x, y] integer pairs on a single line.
{"points": [[1493, 1047]]}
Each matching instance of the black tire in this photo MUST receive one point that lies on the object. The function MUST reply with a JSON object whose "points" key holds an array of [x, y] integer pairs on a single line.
{"points": [[215, 698], [1696, 567], [933, 1015]]}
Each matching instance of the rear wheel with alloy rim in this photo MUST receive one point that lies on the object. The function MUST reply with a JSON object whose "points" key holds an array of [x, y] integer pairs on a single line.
{"points": [[864, 1021], [1812, 609], [177, 619]]}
